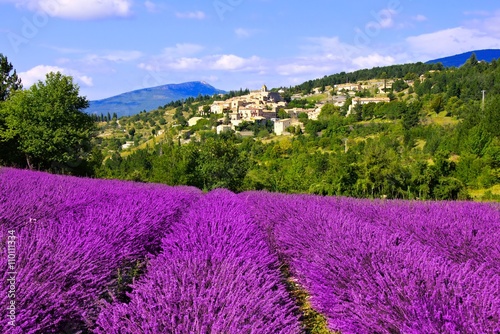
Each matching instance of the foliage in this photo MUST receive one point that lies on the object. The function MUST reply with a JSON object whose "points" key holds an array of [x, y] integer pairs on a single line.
{"points": [[9, 82], [328, 111], [301, 103], [48, 124]]}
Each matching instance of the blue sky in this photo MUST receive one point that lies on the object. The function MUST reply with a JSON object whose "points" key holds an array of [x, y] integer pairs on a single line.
{"points": [[114, 46]]}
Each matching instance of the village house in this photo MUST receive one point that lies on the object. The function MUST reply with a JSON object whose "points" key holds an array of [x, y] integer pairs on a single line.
{"points": [[219, 107], [315, 114], [235, 119], [269, 114], [339, 100], [237, 103], [281, 125], [366, 100], [348, 87], [294, 112], [223, 128]]}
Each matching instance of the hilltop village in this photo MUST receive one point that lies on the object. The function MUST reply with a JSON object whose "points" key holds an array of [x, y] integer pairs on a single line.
{"points": [[264, 105]]}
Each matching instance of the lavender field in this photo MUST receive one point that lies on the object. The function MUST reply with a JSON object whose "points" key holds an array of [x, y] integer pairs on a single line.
{"points": [[95, 256]]}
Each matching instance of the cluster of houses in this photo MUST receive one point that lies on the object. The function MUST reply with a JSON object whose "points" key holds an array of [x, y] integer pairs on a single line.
{"points": [[262, 105], [256, 106], [358, 87], [366, 100]]}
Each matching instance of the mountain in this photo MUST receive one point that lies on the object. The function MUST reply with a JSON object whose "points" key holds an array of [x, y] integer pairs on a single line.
{"points": [[460, 59], [133, 102]]}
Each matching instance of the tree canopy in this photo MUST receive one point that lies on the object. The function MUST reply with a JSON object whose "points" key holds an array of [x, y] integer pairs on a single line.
{"points": [[9, 82], [48, 125]]}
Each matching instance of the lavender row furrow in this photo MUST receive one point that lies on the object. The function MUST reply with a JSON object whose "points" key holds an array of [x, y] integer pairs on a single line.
{"points": [[215, 275], [389, 266], [72, 237]]}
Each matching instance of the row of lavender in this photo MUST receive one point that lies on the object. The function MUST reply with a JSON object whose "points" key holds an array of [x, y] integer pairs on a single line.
{"points": [[215, 274], [390, 267], [213, 260], [72, 237]]}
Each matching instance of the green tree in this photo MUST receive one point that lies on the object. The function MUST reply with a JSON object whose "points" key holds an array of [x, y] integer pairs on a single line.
{"points": [[411, 116], [327, 111], [436, 104], [410, 76], [9, 82], [206, 110], [399, 85], [384, 77], [491, 116], [48, 124], [282, 114], [220, 165]]}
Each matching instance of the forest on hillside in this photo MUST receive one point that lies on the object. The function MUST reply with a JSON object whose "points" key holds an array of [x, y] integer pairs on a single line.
{"points": [[436, 139]]}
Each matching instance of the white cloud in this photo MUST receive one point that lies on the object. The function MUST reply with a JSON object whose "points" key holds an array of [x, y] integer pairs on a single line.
{"points": [[210, 78], [451, 41], [65, 50], [327, 55], [86, 80], [232, 62], [245, 33], [37, 73], [384, 19], [373, 60], [185, 57], [332, 48], [78, 9], [482, 32], [419, 18], [295, 68], [198, 15], [492, 24], [186, 64], [178, 57]]}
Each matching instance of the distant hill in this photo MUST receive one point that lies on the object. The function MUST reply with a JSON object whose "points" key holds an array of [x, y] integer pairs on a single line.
{"points": [[134, 102], [460, 59]]}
